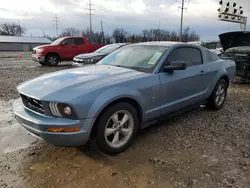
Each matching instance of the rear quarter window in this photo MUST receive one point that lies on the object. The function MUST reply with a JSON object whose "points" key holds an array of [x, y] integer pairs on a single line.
{"points": [[211, 56]]}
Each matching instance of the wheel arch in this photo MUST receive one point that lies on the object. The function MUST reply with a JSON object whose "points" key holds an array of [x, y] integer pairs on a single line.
{"points": [[224, 77], [129, 100], [52, 53]]}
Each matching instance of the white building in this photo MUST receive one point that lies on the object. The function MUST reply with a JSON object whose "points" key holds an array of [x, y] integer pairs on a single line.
{"points": [[12, 43]]}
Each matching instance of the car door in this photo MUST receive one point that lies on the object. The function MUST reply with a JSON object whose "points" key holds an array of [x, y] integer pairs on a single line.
{"points": [[68, 49], [81, 47], [183, 88]]}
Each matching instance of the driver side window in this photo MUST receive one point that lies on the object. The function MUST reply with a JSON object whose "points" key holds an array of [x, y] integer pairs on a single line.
{"points": [[190, 56], [69, 42]]}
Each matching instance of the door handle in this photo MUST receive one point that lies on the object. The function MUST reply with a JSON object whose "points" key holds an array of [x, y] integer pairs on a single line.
{"points": [[202, 72]]}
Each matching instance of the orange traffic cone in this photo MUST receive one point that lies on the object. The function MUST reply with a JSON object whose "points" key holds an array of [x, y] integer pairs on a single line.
{"points": [[20, 55]]}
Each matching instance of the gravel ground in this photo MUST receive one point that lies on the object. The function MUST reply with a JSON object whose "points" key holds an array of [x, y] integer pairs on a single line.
{"points": [[199, 149]]}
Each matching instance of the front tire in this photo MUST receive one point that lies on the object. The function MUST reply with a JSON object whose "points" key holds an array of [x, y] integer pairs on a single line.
{"points": [[43, 64], [116, 128], [219, 95], [52, 59]]}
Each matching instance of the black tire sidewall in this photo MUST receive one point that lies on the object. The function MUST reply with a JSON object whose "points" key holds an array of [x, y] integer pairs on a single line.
{"points": [[101, 124], [52, 55], [212, 100]]}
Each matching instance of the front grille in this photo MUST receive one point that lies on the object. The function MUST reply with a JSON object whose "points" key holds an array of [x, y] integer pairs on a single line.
{"points": [[33, 51], [33, 104]]}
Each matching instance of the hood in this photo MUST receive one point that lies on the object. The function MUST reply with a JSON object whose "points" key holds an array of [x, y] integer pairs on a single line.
{"points": [[47, 45], [68, 84], [240, 49], [234, 39], [91, 55]]}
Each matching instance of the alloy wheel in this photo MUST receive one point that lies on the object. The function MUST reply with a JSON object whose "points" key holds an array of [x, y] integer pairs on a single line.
{"points": [[220, 94], [119, 129]]}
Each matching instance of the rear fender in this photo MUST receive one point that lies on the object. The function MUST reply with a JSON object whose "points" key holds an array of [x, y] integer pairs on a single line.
{"points": [[222, 72]]}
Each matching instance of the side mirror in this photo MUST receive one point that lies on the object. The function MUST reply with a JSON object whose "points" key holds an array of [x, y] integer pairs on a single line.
{"points": [[175, 66], [63, 43]]}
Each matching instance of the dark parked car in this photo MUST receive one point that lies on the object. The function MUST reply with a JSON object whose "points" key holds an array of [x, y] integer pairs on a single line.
{"points": [[236, 46], [92, 58]]}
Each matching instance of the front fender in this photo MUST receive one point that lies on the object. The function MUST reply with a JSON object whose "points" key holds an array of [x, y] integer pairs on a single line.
{"points": [[112, 95]]}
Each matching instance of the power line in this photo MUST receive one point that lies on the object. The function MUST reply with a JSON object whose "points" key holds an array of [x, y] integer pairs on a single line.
{"points": [[182, 9], [56, 20]]}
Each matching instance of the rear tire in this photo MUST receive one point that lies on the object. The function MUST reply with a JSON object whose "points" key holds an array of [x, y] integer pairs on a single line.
{"points": [[219, 95], [52, 60], [116, 128]]}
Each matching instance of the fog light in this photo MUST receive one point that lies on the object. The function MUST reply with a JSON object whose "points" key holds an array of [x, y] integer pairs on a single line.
{"points": [[56, 130], [67, 110]]}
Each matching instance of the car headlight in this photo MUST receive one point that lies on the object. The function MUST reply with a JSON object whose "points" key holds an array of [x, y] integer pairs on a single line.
{"points": [[40, 50], [77, 59], [62, 110], [67, 110]]}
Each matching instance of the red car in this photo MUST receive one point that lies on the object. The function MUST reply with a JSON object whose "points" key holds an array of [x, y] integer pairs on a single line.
{"points": [[65, 48]]}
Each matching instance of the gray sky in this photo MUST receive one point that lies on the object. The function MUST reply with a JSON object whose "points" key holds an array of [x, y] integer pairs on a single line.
{"points": [[132, 15]]}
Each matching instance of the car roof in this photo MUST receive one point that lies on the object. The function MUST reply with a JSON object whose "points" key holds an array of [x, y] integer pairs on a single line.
{"points": [[167, 44], [118, 44], [159, 43]]}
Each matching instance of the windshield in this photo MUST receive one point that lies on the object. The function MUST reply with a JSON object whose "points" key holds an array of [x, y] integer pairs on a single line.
{"points": [[57, 41], [108, 48], [141, 58]]}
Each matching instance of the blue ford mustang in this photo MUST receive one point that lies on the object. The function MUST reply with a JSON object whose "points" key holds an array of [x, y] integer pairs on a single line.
{"points": [[124, 92]]}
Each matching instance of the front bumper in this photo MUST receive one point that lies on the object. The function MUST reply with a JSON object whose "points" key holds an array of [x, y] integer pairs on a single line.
{"points": [[36, 58], [38, 125]]}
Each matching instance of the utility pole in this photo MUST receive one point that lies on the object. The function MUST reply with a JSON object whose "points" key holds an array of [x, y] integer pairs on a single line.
{"points": [[159, 28], [20, 30], [56, 20], [103, 38], [43, 34], [182, 9], [90, 9]]}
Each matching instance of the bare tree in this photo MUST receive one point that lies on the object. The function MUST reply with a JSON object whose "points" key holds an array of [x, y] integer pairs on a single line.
{"points": [[185, 36], [120, 35], [12, 29], [50, 38], [94, 37], [70, 32], [189, 35]]}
